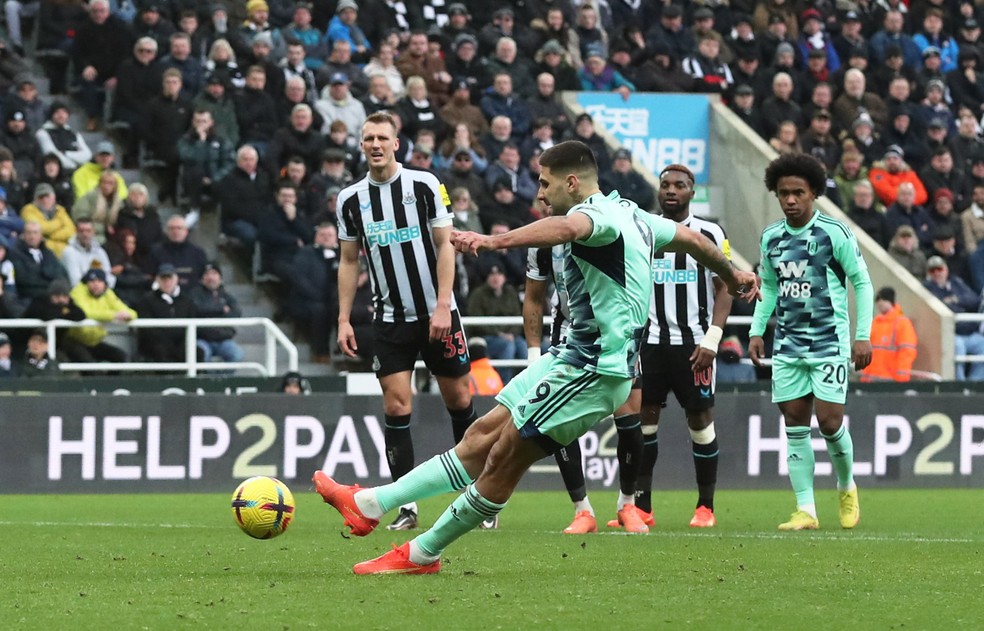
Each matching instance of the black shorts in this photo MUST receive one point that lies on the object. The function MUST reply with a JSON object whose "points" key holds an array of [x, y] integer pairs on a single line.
{"points": [[667, 369], [398, 344]]}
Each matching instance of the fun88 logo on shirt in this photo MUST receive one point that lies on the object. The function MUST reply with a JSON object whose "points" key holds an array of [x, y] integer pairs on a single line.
{"points": [[383, 233], [664, 274]]}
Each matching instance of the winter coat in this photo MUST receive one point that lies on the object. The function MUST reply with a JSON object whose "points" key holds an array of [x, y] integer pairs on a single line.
{"points": [[212, 304], [102, 309], [57, 227], [893, 347], [66, 143], [77, 261]]}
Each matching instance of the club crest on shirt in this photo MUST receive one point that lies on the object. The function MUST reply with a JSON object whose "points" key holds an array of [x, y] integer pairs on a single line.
{"points": [[409, 199], [811, 249]]}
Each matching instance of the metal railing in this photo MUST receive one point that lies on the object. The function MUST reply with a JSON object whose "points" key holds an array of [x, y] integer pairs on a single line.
{"points": [[969, 317], [273, 339]]}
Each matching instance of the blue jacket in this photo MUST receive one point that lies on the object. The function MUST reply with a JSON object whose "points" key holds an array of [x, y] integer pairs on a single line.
{"points": [[910, 51], [512, 107], [948, 49], [959, 298]]}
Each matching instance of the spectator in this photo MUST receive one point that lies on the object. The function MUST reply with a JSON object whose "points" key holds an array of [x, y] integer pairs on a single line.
{"points": [[743, 105], [850, 170], [11, 225], [257, 25], [671, 32], [185, 258], [55, 304], [942, 214], [941, 174], [584, 131], [10, 306], [259, 55], [206, 157], [166, 300], [819, 142], [56, 26], [934, 107], [316, 46], [138, 81], [56, 224], [466, 65], [37, 361], [86, 177], [901, 133], [967, 83], [960, 298], [293, 66], [945, 247], [458, 22], [813, 38], [417, 61], [496, 298], [511, 261], [188, 23], [904, 211], [380, 96], [460, 109], [256, 112], [10, 181], [553, 60], [904, 248], [893, 341], [461, 174], [100, 44], [509, 167], [522, 71], [599, 76], [222, 108], [340, 61], [886, 176], [7, 366], [867, 213], [245, 196], [892, 34], [297, 139], [283, 232], [332, 173], [786, 139], [780, 106], [338, 103], [168, 117], [850, 40], [483, 380], [344, 27], [972, 219], [967, 146], [544, 104], [100, 303], [465, 211], [140, 217], [295, 384], [313, 298], [932, 35], [541, 139], [340, 138], [500, 134], [102, 205], [211, 300], [222, 64], [627, 181], [84, 253], [132, 281], [22, 143], [57, 137], [855, 101], [52, 174], [504, 26], [296, 93], [180, 58], [150, 24]]}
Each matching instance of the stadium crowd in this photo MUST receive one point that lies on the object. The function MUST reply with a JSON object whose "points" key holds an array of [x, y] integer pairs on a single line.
{"points": [[253, 109]]}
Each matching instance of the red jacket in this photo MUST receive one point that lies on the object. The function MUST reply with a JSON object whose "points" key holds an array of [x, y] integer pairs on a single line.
{"points": [[893, 347], [886, 184]]}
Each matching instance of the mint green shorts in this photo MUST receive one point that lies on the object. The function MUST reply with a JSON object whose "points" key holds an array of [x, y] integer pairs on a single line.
{"points": [[824, 377], [554, 403]]}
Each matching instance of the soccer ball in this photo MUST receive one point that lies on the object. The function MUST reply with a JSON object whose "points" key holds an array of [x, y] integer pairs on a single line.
{"points": [[263, 507]]}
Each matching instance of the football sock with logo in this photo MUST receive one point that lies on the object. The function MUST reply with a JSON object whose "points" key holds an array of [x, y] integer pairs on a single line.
{"points": [[461, 420], [569, 462], [801, 463], [399, 444], [644, 483], [464, 514], [705, 450], [441, 474], [629, 452], [840, 446]]}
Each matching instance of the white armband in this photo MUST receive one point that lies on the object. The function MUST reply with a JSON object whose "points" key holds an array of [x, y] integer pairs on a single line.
{"points": [[533, 353], [712, 338]]}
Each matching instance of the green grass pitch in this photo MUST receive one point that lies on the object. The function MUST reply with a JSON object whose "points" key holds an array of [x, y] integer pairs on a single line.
{"points": [[78, 562]]}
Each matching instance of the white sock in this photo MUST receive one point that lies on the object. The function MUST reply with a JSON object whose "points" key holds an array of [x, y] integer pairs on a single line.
{"points": [[849, 488], [583, 505], [624, 499], [809, 509], [368, 504], [418, 556]]}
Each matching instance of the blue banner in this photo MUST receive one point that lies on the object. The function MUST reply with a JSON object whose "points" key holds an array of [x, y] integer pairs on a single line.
{"points": [[659, 129]]}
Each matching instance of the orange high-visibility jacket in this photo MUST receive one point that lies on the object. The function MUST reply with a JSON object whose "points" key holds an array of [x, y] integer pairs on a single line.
{"points": [[893, 347], [484, 380]]}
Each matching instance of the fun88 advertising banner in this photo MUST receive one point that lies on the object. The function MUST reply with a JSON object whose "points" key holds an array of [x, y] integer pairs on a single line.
{"points": [[659, 129]]}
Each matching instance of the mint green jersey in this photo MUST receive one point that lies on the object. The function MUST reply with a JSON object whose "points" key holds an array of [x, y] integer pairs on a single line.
{"points": [[608, 277], [804, 280]]}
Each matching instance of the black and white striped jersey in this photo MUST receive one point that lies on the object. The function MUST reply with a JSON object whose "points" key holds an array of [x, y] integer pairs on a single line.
{"points": [[394, 221], [544, 264], [683, 291]]}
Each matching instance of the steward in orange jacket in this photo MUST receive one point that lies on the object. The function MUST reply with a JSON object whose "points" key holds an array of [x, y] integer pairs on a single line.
{"points": [[893, 341], [484, 379]]}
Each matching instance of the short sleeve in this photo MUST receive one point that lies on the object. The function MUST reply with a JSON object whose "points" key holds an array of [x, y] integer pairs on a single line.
{"points": [[348, 205], [604, 230]]}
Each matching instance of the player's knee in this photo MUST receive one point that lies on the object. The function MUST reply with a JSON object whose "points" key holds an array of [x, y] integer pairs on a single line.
{"points": [[397, 406], [703, 436], [699, 419]]}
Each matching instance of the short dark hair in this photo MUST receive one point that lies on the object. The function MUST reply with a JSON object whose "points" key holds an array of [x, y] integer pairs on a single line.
{"points": [[797, 165], [679, 168], [570, 155]]}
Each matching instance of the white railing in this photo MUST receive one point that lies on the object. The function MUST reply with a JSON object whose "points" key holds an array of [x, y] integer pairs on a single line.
{"points": [[969, 317], [273, 339]]}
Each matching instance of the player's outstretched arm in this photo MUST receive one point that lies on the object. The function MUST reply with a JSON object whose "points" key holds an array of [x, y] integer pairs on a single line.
{"points": [[740, 283], [544, 233]]}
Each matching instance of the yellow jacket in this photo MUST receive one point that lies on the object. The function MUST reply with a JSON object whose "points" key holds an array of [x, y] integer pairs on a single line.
{"points": [[104, 309], [86, 177], [57, 230]]}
